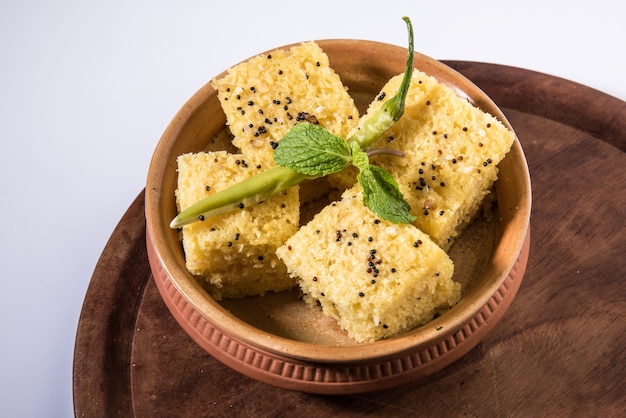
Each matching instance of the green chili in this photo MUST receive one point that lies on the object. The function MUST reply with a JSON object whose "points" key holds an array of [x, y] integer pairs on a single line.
{"points": [[260, 187]]}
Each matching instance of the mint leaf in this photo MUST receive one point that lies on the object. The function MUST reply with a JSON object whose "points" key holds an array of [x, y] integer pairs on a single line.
{"points": [[382, 195], [312, 150]]}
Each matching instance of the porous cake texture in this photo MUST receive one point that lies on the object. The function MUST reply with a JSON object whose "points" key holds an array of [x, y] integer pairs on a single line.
{"points": [[375, 278], [234, 253], [265, 96], [451, 149]]}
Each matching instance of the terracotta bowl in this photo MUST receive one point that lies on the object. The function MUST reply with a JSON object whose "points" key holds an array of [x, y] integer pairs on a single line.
{"points": [[277, 339]]}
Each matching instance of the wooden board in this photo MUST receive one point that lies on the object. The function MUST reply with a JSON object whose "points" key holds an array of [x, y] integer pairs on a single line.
{"points": [[559, 350]]}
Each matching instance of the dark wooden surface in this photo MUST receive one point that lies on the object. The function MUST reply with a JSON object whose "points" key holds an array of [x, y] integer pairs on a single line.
{"points": [[559, 350]]}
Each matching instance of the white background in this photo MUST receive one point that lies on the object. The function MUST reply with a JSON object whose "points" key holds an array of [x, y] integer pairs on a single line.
{"points": [[87, 88]]}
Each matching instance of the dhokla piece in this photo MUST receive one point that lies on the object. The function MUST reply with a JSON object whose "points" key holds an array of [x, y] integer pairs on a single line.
{"points": [[451, 149], [234, 253], [374, 277], [265, 96]]}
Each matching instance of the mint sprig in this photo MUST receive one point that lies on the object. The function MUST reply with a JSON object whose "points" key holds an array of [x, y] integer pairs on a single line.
{"points": [[312, 150]]}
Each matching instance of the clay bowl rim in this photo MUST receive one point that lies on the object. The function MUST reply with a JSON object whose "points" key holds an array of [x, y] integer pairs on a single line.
{"points": [[389, 60]]}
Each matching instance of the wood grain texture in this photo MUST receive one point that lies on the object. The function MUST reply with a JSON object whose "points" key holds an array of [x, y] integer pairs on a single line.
{"points": [[559, 350]]}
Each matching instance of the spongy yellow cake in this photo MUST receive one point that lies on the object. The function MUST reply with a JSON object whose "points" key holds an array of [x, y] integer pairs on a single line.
{"points": [[265, 96], [234, 252], [374, 277], [452, 150]]}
